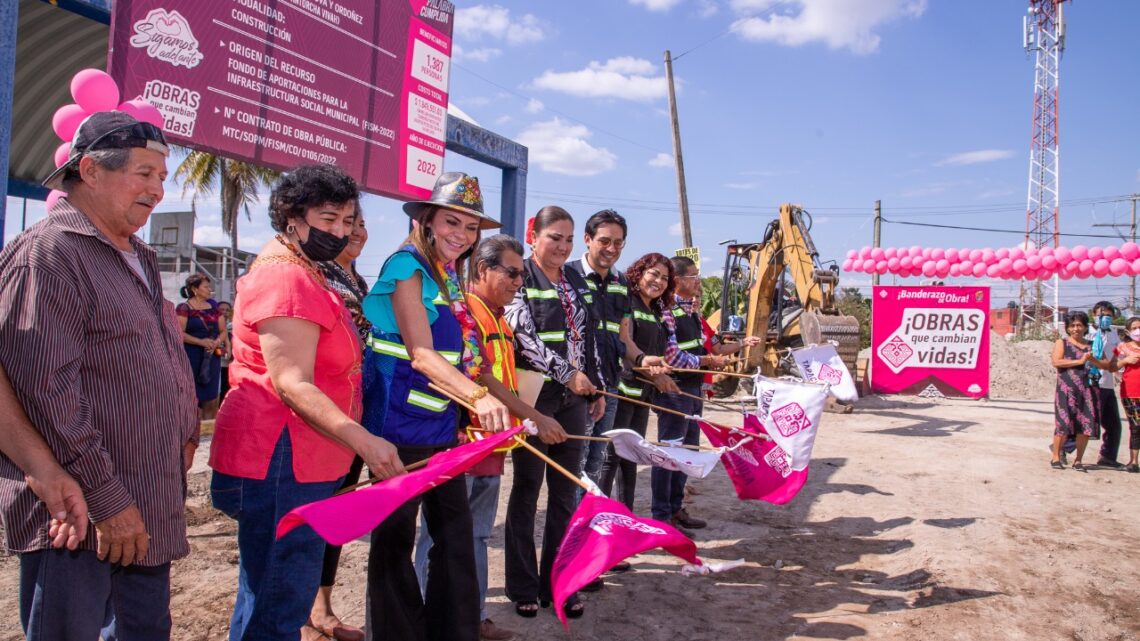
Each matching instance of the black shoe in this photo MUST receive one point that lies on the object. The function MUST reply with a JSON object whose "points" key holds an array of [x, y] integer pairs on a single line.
{"points": [[1080, 467], [1132, 467], [621, 566], [683, 519], [1057, 465], [1106, 462], [593, 586]]}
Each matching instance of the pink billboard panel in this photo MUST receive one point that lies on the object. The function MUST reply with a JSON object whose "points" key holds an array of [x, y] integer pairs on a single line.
{"points": [[930, 341], [362, 85]]}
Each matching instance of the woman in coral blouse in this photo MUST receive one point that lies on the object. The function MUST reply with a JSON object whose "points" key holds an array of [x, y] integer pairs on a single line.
{"points": [[289, 427]]}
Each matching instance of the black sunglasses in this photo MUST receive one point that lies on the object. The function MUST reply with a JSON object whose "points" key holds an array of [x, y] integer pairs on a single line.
{"points": [[511, 272]]}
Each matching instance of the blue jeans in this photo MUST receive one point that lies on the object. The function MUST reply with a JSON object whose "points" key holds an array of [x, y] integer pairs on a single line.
{"points": [[70, 595], [277, 578], [483, 497], [594, 452], [668, 486]]}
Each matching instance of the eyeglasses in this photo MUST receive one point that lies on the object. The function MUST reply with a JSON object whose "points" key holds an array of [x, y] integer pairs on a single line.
{"points": [[656, 275], [606, 242], [690, 276], [511, 272], [140, 134]]}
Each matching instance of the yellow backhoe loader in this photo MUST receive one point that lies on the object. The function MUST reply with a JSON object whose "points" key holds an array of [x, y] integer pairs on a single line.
{"points": [[778, 289]]}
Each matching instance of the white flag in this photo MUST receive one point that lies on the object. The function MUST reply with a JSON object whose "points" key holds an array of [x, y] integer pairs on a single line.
{"points": [[790, 412], [821, 364], [631, 446]]}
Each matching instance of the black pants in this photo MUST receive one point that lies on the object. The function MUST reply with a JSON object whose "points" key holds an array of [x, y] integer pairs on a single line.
{"points": [[332, 552], [1109, 423], [528, 579], [630, 417], [1132, 411], [449, 608]]}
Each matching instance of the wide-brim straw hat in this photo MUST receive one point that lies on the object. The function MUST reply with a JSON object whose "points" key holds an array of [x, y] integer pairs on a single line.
{"points": [[456, 191]]}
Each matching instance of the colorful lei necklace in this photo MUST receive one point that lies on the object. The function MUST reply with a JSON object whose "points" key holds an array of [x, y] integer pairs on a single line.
{"points": [[472, 359]]}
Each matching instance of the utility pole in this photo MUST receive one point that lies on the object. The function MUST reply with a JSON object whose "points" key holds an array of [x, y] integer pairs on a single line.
{"points": [[878, 237], [682, 194], [1132, 237]]}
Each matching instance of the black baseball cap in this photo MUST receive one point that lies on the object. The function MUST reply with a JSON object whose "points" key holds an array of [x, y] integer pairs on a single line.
{"points": [[109, 130]]}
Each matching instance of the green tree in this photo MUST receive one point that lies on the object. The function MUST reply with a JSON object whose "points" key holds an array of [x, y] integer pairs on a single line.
{"points": [[237, 184], [851, 302], [711, 287]]}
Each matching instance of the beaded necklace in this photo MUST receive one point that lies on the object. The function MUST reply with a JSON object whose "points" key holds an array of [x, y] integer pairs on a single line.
{"points": [[472, 359]]}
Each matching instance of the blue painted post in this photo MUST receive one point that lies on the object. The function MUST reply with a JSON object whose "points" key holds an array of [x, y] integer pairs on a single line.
{"points": [[8, 12], [514, 202]]}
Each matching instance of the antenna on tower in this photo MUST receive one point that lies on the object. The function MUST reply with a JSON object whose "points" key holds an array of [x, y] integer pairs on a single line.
{"points": [[1044, 35]]}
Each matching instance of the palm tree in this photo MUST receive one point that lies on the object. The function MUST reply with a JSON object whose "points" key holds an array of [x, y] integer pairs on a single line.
{"points": [[203, 172]]}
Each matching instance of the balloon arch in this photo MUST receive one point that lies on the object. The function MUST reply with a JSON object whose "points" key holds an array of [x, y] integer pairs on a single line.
{"points": [[1008, 264]]}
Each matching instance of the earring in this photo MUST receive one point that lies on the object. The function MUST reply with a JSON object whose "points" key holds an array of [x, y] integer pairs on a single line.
{"points": [[290, 228]]}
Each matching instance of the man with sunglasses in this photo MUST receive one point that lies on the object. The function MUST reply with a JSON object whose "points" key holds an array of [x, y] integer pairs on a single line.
{"points": [[95, 357], [605, 239]]}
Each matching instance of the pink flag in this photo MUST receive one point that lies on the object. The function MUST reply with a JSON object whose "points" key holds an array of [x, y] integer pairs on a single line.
{"points": [[601, 533], [759, 470], [340, 519]]}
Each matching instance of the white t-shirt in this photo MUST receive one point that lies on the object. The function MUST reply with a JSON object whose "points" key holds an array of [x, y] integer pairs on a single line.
{"points": [[133, 260], [1111, 340]]}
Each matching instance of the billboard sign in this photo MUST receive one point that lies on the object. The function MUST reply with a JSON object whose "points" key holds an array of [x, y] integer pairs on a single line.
{"points": [[362, 85], [930, 341]]}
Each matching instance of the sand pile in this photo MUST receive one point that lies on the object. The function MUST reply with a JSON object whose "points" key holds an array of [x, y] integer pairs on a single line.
{"points": [[1021, 369]]}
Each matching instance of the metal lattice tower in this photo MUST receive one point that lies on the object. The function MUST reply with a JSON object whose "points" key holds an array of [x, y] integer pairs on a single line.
{"points": [[1045, 37]]}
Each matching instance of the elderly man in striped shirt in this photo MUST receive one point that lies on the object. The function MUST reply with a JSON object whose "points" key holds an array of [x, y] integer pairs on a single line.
{"points": [[95, 357]]}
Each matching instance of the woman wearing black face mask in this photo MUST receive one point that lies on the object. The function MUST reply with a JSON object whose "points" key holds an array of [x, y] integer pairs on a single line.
{"points": [[289, 427]]}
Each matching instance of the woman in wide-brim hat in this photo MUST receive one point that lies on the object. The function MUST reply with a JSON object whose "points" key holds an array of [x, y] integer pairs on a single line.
{"points": [[422, 333]]}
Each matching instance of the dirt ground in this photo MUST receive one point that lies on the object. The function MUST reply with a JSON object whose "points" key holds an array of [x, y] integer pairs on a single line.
{"points": [[921, 520]]}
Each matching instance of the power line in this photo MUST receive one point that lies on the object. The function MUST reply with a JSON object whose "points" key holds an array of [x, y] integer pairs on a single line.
{"points": [[986, 229]]}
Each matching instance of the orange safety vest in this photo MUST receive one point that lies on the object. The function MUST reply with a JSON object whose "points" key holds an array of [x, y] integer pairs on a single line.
{"points": [[497, 344]]}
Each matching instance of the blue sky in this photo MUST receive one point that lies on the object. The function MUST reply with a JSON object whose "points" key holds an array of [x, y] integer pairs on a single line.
{"points": [[828, 103]]}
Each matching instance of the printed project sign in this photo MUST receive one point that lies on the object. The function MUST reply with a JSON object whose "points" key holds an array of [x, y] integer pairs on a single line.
{"points": [[930, 341], [361, 85]]}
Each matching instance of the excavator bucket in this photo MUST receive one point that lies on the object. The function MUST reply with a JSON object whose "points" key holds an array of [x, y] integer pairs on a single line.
{"points": [[842, 330]]}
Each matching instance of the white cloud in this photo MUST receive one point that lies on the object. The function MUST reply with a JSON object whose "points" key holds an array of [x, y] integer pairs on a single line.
{"points": [[534, 105], [454, 110], [974, 157], [708, 8], [742, 186], [840, 24], [495, 22], [482, 54], [562, 148], [502, 120], [675, 229], [661, 160], [656, 5], [625, 77]]}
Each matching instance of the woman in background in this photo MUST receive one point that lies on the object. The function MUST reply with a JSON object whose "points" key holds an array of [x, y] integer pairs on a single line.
{"points": [[205, 338], [1076, 402], [1128, 359]]}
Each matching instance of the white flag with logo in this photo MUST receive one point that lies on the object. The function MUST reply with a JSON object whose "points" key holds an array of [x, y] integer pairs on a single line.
{"points": [[790, 412], [631, 446], [821, 364]]}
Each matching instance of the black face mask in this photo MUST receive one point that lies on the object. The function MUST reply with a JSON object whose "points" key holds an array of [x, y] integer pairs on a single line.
{"points": [[322, 245]]}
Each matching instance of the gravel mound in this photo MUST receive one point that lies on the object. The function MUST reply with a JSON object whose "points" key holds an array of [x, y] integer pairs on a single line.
{"points": [[1021, 369]]}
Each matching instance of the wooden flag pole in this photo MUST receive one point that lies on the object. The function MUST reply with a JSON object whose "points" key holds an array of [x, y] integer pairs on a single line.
{"points": [[693, 396], [374, 479], [684, 370], [682, 414]]}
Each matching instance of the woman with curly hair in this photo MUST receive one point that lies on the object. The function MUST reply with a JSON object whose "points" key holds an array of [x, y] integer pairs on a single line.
{"points": [[651, 284], [1075, 404]]}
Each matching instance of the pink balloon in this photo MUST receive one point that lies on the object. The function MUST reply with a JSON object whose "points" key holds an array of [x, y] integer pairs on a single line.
{"points": [[890, 253], [1005, 264], [1136, 266], [1049, 261], [66, 120], [1117, 266], [868, 265], [905, 262], [880, 266], [94, 90], [1130, 251], [848, 264], [1075, 266], [915, 250], [1063, 255], [988, 255], [877, 253], [975, 255], [1085, 267], [1002, 253], [942, 272], [937, 253], [1032, 251], [1016, 253], [865, 252], [1034, 262], [1019, 266], [1045, 250], [955, 270], [929, 268], [993, 271], [1080, 252], [967, 266], [941, 264], [147, 112], [851, 253], [1065, 274], [1100, 267], [926, 253], [1096, 253], [1111, 253], [979, 269], [61, 153], [893, 264], [53, 196]]}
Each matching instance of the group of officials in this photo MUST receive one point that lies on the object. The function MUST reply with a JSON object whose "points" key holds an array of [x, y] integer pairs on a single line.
{"points": [[328, 376]]}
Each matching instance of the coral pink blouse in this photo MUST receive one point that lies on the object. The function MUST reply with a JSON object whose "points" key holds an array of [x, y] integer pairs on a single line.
{"points": [[252, 416]]}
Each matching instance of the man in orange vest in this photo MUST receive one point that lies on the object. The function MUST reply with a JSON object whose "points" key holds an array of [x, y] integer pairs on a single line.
{"points": [[496, 275]]}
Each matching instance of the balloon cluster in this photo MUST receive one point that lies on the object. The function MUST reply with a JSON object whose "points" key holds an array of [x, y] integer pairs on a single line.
{"points": [[1010, 264], [93, 90]]}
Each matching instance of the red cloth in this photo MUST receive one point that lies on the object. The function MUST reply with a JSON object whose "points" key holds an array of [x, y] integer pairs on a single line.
{"points": [[602, 532], [1130, 375], [342, 518], [759, 470], [250, 420], [709, 333]]}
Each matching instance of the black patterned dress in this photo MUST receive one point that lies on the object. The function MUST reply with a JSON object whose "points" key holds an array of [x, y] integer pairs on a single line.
{"points": [[1075, 406]]}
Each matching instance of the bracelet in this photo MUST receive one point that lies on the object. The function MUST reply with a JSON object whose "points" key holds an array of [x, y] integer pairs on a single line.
{"points": [[638, 360], [476, 394]]}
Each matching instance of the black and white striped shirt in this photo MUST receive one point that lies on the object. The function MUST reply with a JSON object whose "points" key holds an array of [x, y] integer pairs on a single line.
{"points": [[96, 359]]}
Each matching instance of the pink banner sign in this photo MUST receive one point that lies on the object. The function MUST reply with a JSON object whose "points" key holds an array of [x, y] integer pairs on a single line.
{"points": [[361, 85], [930, 341]]}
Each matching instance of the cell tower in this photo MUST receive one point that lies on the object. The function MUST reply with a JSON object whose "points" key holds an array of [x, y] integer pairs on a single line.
{"points": [[1044, 35]]}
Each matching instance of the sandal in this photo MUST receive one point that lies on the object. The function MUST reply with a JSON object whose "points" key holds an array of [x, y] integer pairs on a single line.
{"points": [[1057, 465], [1080, 467], [526, 609], [573, 607], [339, 631]]}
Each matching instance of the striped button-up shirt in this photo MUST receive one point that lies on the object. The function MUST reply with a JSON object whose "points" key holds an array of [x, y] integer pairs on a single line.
{"points": [[95, 356]]}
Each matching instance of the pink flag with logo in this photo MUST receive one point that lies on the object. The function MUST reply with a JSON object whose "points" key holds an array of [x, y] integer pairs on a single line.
{"points": [[340, 519], [759, 469], [603, 532]]}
